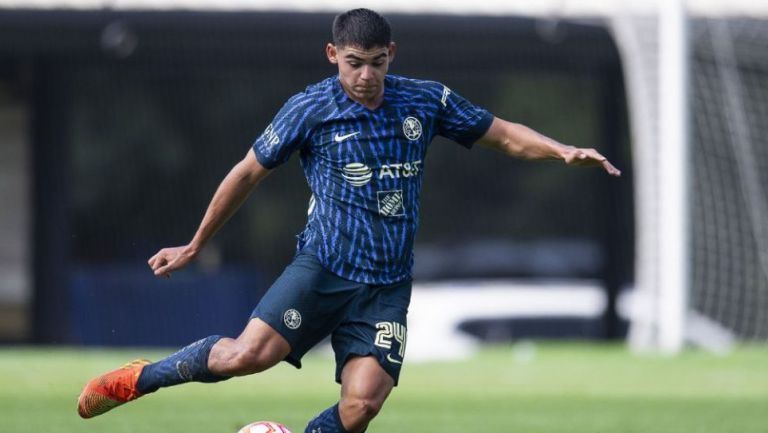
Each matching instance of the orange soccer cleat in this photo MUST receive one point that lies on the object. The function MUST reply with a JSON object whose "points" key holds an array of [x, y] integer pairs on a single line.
{"points": [[110, 390]]}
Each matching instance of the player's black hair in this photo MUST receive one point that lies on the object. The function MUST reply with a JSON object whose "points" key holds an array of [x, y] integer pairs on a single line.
{"points": [[362, 28]]}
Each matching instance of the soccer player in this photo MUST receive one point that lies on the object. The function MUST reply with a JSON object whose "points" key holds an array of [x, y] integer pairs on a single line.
{"points": [[362, 137]]}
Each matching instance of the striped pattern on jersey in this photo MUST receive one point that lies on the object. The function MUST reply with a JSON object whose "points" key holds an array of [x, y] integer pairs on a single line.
{"points": [[365, 168]]}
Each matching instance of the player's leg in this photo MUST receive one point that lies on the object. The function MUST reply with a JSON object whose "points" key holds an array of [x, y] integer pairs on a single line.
{"points": [[369, 347], [217, 358], [365, 385], [303, 306], [364, 388], [211, 359], [258, 348]]}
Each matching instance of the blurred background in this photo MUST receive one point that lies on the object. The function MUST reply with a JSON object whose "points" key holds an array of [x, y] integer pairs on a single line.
{"points": [[119, 119]]}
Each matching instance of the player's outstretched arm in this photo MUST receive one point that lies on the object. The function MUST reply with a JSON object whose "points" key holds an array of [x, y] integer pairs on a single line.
{"points": [[522, 142], [232, 192]]}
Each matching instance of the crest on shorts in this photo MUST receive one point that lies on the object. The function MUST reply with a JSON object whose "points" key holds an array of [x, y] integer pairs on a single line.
{"points": [[412, 128], [292, 319]]}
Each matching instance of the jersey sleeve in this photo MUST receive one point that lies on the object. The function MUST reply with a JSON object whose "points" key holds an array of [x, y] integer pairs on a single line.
{"points": [[287, 133], [460, 120]]}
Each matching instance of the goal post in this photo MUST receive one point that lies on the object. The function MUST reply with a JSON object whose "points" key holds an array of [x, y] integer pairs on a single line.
{"points": [[653, 50], [673, 199]]}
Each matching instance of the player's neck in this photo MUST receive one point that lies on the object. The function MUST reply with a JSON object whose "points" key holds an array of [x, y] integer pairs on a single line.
{"points": [[370, 103]]}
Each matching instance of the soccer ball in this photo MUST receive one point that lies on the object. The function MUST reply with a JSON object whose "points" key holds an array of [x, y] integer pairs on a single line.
{"points": [[264, 427]]}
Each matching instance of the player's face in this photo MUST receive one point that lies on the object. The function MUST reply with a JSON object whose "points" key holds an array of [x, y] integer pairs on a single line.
{"points": [[361, 71]]}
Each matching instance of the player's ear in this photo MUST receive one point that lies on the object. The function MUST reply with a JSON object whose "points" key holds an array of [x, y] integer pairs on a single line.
{"points": [[332, 53], [392, 51]]}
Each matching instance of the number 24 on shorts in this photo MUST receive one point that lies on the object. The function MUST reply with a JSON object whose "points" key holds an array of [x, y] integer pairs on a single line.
{"points": [[388, 331]]}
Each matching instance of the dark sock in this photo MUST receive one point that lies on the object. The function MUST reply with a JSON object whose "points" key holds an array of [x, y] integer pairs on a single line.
{"points": [[189, 364], [329, 421]]}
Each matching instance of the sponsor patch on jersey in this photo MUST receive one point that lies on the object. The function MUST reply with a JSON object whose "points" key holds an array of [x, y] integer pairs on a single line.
{"points": [[398, 170], [357, 173], [391, 203], [270, 137], [292, 319], [412, 128]]}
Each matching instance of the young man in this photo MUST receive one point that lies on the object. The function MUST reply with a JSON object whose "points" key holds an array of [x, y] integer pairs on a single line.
{"points": [[362, 137]]}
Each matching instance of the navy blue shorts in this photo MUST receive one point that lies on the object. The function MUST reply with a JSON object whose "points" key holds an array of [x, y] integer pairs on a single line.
{"points": [[307, 303]]}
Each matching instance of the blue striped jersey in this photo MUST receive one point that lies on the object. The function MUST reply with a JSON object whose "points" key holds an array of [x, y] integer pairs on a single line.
{"points": [[365, 168]]}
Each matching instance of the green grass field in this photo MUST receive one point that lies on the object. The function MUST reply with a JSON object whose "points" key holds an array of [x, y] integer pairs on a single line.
{"points": [[574, 388]]}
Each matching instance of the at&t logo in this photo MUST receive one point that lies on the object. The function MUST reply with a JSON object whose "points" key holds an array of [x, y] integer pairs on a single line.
{"points": [[357, 173]]}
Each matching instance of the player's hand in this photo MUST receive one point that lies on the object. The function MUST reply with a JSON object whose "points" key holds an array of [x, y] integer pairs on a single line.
{"points": [[590, 158], [168, 260]]}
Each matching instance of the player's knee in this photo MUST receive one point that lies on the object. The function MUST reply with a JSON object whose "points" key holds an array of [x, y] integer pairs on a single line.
{"points": [[362, 409], [250, 359]]}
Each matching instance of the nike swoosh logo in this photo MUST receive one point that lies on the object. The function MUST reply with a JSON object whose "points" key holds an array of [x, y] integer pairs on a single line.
{"points": [[393, 360], [339, 138]]}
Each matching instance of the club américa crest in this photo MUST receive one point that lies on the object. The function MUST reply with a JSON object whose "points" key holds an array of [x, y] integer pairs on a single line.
{"points": [[412, 128], [292, 319]]}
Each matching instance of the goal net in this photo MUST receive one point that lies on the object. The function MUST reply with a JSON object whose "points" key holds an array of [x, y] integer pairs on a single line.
{"points": [[725, 202]]}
